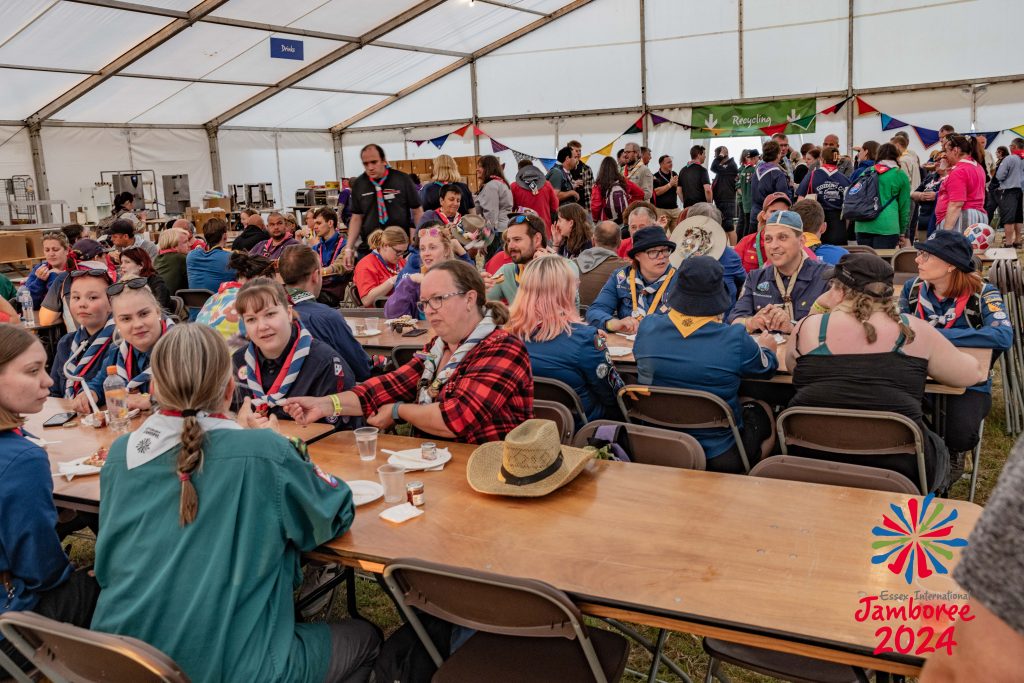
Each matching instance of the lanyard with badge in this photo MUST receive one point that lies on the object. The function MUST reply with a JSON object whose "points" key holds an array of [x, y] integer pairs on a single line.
{"points": [[637, 312]]}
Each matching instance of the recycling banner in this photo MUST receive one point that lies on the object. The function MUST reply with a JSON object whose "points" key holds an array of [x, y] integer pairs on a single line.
{"points": [[748, 120]]}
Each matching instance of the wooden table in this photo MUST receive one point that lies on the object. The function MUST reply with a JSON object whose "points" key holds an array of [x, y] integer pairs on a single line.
{"points": [[69, 443], [770, 563], [987, 256]]}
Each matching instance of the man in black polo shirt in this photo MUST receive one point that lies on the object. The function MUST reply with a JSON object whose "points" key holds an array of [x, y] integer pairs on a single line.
{"points": [[694, 181], [665, 183], [381, 196]]}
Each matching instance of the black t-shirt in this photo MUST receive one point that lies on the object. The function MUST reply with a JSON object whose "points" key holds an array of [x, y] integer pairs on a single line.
{"points": [[692, 180], [400, 197], [666, 200], [249, 238]]}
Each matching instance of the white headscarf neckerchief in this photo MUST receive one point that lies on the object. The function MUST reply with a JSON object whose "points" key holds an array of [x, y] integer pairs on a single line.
{"points": [[429, 386], [162, 432]]}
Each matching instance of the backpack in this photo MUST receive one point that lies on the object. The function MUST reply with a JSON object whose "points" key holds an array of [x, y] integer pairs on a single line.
{"points": [[616, 438], [863, 201], [615, 202], [403, 659]]}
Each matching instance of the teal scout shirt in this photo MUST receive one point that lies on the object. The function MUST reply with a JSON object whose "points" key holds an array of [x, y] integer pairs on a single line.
{"points": [[216, 595]]}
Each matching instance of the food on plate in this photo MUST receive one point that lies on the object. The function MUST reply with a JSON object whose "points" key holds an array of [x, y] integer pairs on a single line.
{"points": [[97, 459]]}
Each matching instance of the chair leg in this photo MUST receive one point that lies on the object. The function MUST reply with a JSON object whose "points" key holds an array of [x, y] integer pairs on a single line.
{"points": [[13, 670], [715, 672], [976, 465], [634, 635]]}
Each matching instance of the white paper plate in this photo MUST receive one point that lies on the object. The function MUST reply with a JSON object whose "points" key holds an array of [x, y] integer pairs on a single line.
{"points": [[75, 468], [364, 491], [619, 351], [367, 333], [410, 459]]}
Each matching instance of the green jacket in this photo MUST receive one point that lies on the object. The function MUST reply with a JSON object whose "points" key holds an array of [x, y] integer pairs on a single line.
{"points": [[171, 267], [743, 187], [895, 218], [508, 288], [216, 595]]}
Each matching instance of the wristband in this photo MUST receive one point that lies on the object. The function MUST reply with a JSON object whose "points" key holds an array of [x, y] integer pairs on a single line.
{"points": [[336, 404], [394, 410]]}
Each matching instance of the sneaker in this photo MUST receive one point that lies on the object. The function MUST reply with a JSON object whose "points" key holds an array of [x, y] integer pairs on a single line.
{"points": [[314, 577]]}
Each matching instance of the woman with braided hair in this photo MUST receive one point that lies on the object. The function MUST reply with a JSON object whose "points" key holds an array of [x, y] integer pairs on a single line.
{"points": [[203, 566], [859, 352]]}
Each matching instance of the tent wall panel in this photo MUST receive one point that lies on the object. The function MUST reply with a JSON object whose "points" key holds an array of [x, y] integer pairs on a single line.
{"points": [[303, 156], [15, 152], [248, 156], [172, 152], [75, 157]]}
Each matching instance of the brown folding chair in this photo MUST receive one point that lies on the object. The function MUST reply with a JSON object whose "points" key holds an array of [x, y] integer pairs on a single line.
{"points": [[557, 413], [194, 298], [652, 445], [679, 409], [68, 654], [527, 630], [853, 433], [860, 249], [904, 266], [796, 468], [557, 391]]}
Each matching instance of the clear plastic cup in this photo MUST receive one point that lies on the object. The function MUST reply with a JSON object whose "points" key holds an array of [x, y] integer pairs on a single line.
{"points": [[392, 478], [366, 441], [372, 325]]}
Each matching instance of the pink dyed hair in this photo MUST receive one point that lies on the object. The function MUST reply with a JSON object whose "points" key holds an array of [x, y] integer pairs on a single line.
{"points": [[545, 305]]}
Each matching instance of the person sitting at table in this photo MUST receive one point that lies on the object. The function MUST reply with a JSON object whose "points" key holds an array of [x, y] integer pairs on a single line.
{"points": [[282, 358], [219, 310], [329, 246], [58, 261], [135, 262], [752, 249], [779, 294], [140, 324], [732, 265], [299, 269], [524, 241], [208, 268], [80, 353], [812, 215], [88, 255], [969, 312], [471, 383], [862, 353], [376, 273], [435, 245], [279, 238], [226, 515], [413, 264], [636, 291], [170, 262], [692, 348], [639, 215], [561, 346], [35, 573]]}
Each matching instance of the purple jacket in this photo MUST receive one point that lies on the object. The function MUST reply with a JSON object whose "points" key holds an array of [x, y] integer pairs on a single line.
{"points": [[403, 300]]}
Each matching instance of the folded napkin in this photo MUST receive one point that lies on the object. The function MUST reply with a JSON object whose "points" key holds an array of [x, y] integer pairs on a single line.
{"points": [[401, 513], [73, 469], [630, 337], [619, 351]]}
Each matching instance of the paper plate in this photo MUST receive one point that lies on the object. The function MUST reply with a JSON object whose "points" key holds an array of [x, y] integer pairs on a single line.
{"points": [[75, 468], [364, 491], [367, 333], [412, 462]]}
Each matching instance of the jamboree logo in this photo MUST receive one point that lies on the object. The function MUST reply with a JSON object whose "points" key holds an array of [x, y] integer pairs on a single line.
{"points": [[917, 537]]}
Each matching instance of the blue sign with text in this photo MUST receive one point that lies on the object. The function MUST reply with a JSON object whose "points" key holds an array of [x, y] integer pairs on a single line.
{"points": [[284, 48]]}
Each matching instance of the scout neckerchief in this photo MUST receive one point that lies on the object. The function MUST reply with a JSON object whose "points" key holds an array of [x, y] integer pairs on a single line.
{"points": [[263, 400], [84, 354], [319, 249], [688, 324], [519, 272], [391, 269], [300, 295], [162, 431], [926, 311], [429, 385], [757, 248], [648, 290], [449, 221], [126, 361], [378, 186], [787, 291], [269, 246]]}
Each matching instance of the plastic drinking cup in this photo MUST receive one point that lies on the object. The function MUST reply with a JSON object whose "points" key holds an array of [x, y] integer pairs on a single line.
{"points": [[366, 441], [392, 478]]}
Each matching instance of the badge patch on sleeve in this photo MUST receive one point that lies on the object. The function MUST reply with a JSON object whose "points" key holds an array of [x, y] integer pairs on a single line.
{"points": [[324, 476]]}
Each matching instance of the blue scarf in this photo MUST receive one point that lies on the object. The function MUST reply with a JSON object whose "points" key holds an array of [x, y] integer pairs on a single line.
{"points": [[84, 353], [264, 400]]}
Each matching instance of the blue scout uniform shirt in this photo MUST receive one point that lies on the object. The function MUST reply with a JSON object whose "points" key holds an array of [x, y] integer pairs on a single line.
{"points": [[615, 300], [39, 288], [29, 547], [760, 290], [140, 360], [208, 269], [580, 359], [60, 359], [328, 325], [733, 272], [713, 357], [217, 594], [996, 332], [829, 253]]}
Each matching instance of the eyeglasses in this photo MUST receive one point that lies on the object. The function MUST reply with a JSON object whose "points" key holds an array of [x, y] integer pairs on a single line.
{"points": [[134, 283], [924, 256], [658, 252], [435, 302], [91, 272]]}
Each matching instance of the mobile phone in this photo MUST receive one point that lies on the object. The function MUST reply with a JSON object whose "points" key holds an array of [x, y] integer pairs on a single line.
{"points": [[60, 419], [414, 332]]}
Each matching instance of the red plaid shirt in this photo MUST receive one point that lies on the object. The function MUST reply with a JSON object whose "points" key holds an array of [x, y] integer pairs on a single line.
{"points": [[490, 393]]}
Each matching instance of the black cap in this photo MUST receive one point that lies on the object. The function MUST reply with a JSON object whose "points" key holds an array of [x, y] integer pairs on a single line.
{"points": [[950, 246], [650, 237], [700, 288], [865, 273]]}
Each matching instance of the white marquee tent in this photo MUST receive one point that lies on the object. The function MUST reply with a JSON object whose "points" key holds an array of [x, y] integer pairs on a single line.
{"points": [[179, 87]]}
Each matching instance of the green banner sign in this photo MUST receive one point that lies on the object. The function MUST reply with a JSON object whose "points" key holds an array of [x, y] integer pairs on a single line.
{"points": [[748, 120]]}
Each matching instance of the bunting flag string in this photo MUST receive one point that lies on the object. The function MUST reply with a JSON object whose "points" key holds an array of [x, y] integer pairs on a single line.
{"points": [[637, 127], [1019, 130], [889, 123], [548, 163], [927, 136], [440, 140], [864, 108], [461, 132], [497, 146], [837, 107]]}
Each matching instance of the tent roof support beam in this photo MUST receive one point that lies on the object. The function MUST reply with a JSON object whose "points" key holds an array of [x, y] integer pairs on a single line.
{"points": [[486, 50], [139, 50], [328, 59]]}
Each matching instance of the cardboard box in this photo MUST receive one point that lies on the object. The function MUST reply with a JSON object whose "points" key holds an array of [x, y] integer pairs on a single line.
{"points": [[199, 217], [34, 244], [13, 247], [222, 203]]}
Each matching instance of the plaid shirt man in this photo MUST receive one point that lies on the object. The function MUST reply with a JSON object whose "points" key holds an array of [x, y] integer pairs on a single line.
{"points": [[585, 173], [490, 393]]}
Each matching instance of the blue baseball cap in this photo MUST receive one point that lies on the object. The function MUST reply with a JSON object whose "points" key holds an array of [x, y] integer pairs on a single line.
{"points": [[791, 219]]}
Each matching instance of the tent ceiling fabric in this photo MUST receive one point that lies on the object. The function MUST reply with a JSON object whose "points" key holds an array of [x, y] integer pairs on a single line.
{"points": [[588, 59]]}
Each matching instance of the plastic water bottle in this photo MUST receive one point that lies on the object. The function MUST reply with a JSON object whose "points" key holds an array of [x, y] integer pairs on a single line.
{"points": [[117, 400], [28, 314]]}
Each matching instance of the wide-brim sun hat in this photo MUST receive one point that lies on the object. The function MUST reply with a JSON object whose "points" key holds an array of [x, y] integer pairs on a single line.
{"points": [[530, 462], [697, 236]]}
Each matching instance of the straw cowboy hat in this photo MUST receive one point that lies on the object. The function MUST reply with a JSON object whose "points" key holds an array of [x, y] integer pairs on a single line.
{"points": [[697, 236], [530, 462]]}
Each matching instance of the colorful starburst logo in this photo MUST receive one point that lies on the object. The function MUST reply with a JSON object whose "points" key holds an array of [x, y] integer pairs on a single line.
{"points": [[917, 538]]}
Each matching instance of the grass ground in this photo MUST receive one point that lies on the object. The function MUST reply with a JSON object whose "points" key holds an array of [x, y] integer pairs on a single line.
{"points": [[685, 649]]}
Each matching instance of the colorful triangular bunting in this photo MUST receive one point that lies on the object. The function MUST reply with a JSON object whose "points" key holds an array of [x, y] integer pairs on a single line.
{"points": [[418, 142], [548, 163], [520, 156], [655, 120], [928, 136], [497, 146], [769, 130], [889, 123], [1019, 130], [803, 122], [440, 140], [990, 137], [605, 151], [835, 108], [864, 108], [637, 127], [461, 131], [477, 131]]}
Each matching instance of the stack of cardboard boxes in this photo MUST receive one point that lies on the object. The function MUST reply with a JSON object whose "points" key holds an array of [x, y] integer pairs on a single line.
{"points": [[424, 168]]}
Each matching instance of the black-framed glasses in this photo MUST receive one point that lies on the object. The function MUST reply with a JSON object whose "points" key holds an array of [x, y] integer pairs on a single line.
{"points": [[435, 302], [91, 272], [658, 252], [134, 283]]}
